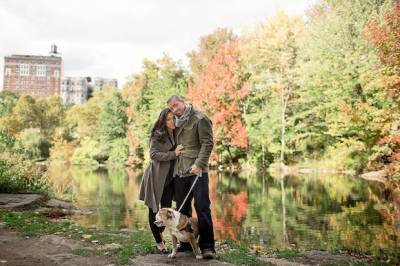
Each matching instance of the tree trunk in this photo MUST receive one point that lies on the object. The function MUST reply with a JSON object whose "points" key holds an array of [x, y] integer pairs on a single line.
{"points": [[284, 103], [283, 128]]}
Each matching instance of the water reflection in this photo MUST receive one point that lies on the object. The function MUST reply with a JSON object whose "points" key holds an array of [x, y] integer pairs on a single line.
{"points": [[327, 212]]}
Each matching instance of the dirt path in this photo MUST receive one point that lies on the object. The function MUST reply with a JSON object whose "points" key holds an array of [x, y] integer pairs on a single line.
{"points": [[57, 250], [45, 250], [182, 259]]}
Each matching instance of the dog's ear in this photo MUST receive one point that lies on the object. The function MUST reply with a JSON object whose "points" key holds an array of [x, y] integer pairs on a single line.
{"points": [[170, 214]]}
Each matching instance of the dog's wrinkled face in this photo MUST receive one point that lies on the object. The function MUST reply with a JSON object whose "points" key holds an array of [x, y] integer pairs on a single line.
{"points": [[163, 216]]}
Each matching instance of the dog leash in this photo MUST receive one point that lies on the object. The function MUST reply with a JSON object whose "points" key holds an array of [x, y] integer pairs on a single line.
{"points": [[190, 190]]}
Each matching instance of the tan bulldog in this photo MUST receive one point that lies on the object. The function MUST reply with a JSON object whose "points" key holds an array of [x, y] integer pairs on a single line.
{"points": [[182, 228]]}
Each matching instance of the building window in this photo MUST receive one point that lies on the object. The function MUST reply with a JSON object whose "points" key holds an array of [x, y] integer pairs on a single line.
{"points": [[41, 70], [24, 69], [56, 73], [8, 71]]}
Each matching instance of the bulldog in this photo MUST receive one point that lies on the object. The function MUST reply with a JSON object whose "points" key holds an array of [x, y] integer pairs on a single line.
{"points": [[182, 228]]}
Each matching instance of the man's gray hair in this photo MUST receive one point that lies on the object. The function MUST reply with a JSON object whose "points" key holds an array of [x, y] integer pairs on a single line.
{"points": [[175, 98]]}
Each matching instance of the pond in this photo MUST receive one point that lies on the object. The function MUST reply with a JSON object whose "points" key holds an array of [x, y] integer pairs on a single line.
{"points": [[313, 211]]}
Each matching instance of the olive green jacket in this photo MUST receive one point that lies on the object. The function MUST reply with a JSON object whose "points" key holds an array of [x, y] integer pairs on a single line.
{"points": [[196, 136]]}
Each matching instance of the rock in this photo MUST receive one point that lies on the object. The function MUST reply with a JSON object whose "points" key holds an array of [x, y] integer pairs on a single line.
{"points": [[84, 210], [110, 246], [56, 240], [60, 258], [13, 201], [379, 176], [315, 257], [86, 236], [42, 210], [280, 262], [54, 203], [3, 225], [126, 230]]}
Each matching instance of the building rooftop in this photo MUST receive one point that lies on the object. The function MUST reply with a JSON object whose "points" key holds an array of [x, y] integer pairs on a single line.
{"points": [[33, 57]]}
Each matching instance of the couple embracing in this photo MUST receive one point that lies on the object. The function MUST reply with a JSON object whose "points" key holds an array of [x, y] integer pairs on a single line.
{"points": [[181, 142]]}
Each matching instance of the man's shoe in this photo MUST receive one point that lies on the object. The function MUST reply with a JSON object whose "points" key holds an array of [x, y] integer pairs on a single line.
{"points": [[208, 253]]}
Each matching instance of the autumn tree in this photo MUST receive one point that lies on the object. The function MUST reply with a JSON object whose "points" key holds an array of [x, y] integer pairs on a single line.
{"points": [[220, 91], [335, 62], [208, 48], [385, 36]]}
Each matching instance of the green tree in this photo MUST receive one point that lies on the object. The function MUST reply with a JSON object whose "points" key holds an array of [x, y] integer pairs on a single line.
{"points": [[334, 60], [53, 114], [119, 151], [7, 102], [83, 120], [146, 94], [113, 119], [33, 144], [271, 54]]}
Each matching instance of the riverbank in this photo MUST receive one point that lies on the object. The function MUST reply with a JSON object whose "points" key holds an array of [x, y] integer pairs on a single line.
{"points": [[39, 234]]}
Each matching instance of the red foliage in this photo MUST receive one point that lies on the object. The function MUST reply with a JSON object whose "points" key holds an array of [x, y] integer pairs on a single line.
{"points": [[219, 91], [228, 212], [240, 206], [234, 206], [385, 37]]}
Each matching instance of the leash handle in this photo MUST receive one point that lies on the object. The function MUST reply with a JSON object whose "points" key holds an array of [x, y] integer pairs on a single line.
{"points": [[190, 190]]}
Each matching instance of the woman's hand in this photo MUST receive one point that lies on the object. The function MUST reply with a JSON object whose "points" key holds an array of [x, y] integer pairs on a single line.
{"points": [[178, 149]]}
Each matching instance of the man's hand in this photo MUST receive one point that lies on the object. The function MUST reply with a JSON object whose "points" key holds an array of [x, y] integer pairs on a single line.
{"points": [[195, 170], [178, 149]]}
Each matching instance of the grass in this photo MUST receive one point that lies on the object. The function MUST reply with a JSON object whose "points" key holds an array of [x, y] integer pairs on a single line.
{"points": [[229, 251], [132, 244], [136, 243], [287, 254]]}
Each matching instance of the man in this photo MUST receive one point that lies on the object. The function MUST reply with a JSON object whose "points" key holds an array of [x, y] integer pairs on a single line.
{"points": [[194, 132]]}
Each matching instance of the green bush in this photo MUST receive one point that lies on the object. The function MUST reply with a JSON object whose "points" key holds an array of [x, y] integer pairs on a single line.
{"points": [[90, 152], [33, 144], [119, 151], [18, 175], [6, 141]]}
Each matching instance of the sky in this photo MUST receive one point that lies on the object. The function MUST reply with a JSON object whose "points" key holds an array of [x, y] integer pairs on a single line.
{"points": [[111, 38]]}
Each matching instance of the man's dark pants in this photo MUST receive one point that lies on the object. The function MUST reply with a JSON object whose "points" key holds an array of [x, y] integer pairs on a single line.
{"points": [[201, 197]]}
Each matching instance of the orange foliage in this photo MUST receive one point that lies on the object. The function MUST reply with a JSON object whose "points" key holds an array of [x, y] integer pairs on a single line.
{"points": [[219, 91], [386, 37], [228, 220]]}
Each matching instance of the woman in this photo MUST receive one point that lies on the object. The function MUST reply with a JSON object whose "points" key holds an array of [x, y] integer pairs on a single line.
{"points": [[157, 183]]}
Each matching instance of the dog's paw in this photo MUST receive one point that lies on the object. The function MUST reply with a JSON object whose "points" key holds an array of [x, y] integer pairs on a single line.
{"points": [[199, 257], [172, 256]]}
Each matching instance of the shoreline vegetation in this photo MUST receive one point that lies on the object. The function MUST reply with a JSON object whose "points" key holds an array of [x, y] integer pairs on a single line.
{"points": [[287, 90]]}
